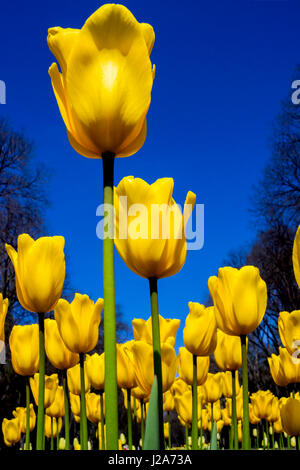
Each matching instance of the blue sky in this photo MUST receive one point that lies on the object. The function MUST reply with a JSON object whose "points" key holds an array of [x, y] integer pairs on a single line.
{"points": [[223, 68]]}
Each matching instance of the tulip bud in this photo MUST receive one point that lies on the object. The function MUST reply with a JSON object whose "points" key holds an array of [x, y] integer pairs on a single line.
{"points": [[200, 331], [24, 347], [78, 322], [240, 299], [40, 271]]}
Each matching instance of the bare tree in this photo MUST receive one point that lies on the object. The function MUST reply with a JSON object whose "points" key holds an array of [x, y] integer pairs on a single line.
{"points": [[22, 203], [276, 197]]}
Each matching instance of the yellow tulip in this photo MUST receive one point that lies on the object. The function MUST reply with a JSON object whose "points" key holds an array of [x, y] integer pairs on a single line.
{"points": [[168, 401], [185, 367], [58, 354], [213, 387], [252, 416], [240, 299], [166, 430], [226, 418], [274, 413], [240, 430], [73, 378], [296, 256], [227, 383], [262, 403], [125, 367], [78, 322], [3, 312], [290, 416], [228, 353], [142, 329], [56, 426], [143, 362], [289, 330], [11, 431], [57, 407], [204, 418], [200, 331], [140, 394], [104, 90], [277, 425], [51, 384], [40, 271], [239, 405], [150, 236], [284, 368], [183, 405], [75, 404], [179, 386], [20, 413], [93, 410], [216, 410], [24, 347], [95, 370]]}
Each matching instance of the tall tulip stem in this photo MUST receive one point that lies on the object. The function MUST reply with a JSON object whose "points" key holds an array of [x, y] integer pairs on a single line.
{"points": [[110, 335], [195, 406], [142, 422], [67, 411], [246, 427], [186, 436], [102, 421], [233, 414], [27, 438], [83, 420], [41, 415], [157, 355], [129, 419]]}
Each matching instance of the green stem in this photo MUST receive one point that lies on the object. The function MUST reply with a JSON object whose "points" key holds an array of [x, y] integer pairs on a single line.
{"points": [[40, 415], [230, 436], [51, 438], [129, 419], [57, 435], [246, 427], [186, 436], [233, 413], [267, 434], [67, 411], [272, 436], [102, 421], [110, 336], [281, 444], [157, 356], [195, 406], [169, 429], [257, 438], [135, 426], [142, 422], [27, 438], [83, 420]]}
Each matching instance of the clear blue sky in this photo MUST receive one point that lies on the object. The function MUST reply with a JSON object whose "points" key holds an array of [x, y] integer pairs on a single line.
{"points": [[223, 68]]}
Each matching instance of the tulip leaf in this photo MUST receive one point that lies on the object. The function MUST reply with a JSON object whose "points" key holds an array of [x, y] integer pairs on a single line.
{"points": [[213, 437], [151, 441]]}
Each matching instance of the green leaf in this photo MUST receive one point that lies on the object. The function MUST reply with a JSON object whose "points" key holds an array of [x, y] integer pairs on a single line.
{"points": [[213, 437], [151, 441]]}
